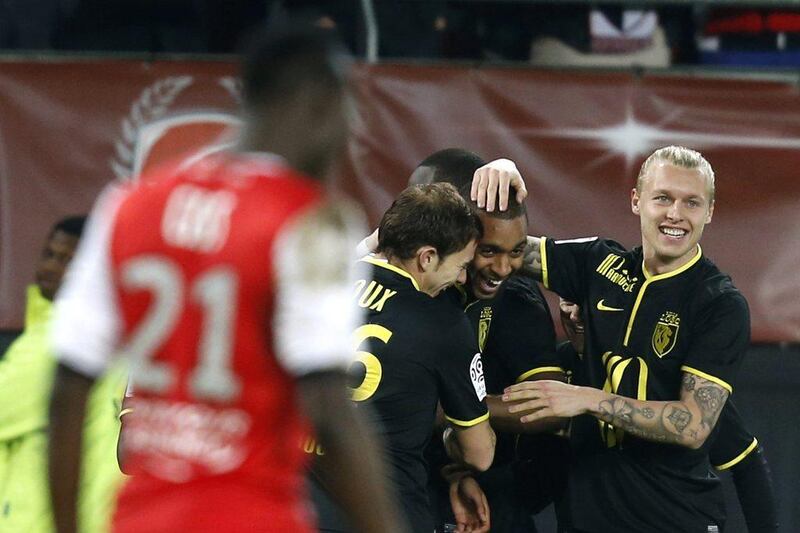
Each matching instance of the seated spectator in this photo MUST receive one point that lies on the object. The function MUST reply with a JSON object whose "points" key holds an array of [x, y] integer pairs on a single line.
{"points": [[26, 373], [600, 37], [750, 37]]}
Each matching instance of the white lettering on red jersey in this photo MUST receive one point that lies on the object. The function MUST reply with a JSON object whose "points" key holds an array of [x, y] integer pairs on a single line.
{"points": [[221, 282]]}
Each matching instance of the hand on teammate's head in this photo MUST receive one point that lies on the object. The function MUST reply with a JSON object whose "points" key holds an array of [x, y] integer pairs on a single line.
{"points": [[493, 182]]}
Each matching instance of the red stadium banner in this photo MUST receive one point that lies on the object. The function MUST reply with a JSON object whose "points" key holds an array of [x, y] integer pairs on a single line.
{"points": [[69, 127]]}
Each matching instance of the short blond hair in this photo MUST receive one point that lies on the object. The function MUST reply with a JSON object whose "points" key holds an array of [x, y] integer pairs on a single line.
{"points": [[680, 157]]}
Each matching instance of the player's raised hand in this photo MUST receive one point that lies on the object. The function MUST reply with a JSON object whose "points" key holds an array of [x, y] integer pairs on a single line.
{"points": [[470, 506], [547, 398], [492, 183]]}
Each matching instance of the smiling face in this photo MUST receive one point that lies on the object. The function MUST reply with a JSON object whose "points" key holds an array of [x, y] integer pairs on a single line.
{"points": [[499, 254], [442, 273], [674, 205]]}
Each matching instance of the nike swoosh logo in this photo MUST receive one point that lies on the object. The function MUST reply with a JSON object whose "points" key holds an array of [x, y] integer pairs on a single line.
{"points": [[602, 307]]}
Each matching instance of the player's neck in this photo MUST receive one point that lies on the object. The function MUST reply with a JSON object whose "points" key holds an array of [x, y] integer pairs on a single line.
{"points": [[256, 140], [408, 266], [657, 265]]}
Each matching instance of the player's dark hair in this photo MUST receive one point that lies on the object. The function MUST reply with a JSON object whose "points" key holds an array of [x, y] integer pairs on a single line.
{"points": [[515, 209], [453, 165], [457, 166], [70, 225], [428, 215], [280, 59]]}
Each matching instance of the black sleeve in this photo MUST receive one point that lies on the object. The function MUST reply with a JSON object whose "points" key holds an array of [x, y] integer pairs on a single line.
{"points": [[733, 442], [525, 338], [460, 374], [564, 265], [736, 449], [753, 480], [722, 335]]}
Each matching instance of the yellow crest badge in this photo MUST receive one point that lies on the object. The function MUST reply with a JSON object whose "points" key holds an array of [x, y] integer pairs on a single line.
{"points": [[666, 333], [483, 326]]}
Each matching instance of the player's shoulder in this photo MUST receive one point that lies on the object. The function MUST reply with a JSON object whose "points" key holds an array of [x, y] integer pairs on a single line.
{"points": [[717, 287], [389, 276], [244, 173], [436, 323], [599, 250], [595, 242], [609, 249], [522, 288], [445, 319]]}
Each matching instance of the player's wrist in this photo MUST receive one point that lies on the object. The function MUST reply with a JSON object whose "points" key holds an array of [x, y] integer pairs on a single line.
{"points": [[593, 400]]}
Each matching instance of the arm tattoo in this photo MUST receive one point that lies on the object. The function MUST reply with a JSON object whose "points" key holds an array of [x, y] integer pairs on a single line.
{"points": [[620, 411], [533, 258], [678, 416], [623, 414], [687, 422], [710, 399], [666, 424]]}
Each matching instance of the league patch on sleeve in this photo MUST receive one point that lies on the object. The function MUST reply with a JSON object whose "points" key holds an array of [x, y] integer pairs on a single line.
{"points": [[476, 375]]}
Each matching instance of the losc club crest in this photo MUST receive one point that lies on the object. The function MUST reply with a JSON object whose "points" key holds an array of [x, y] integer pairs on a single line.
{"points": [[484, 324], [666, 333], [155, 131]]}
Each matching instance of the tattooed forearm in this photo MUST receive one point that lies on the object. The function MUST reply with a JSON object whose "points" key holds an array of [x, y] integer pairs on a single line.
{"points": [[645, 422], [710, 400], [669, 422], [688, 421]]}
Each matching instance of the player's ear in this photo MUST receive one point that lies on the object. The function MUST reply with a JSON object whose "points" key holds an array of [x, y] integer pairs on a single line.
{"points": [[427, 258], [635, 201], [710, 212]]}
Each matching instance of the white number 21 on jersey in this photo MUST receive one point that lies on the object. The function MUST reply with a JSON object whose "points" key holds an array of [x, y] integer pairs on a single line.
{"points": [[215, 292]]}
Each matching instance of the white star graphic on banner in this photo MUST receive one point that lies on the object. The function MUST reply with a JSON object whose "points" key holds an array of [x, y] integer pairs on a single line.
{"points": [[633, 139]]}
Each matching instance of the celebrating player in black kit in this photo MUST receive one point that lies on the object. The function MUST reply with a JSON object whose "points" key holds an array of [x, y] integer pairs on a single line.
{"points": [[416, 350], [665, 332], [512, 323], [734, 448]]}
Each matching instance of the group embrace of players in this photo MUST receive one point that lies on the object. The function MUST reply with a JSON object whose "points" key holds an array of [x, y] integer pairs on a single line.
{"points": [[232, 286]]}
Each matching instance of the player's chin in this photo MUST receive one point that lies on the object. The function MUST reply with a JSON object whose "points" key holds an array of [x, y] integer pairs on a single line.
{"points": [[485, 288], [441, 289]]}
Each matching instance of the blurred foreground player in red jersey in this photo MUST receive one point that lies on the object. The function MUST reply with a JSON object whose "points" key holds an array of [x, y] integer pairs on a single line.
{"points": [[227, 283]]}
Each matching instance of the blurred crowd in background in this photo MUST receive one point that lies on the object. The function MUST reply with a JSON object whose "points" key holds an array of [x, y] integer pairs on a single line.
{"points": [[614, 34]]}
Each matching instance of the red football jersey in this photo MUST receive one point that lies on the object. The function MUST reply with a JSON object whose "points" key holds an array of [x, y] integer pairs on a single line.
{"points": [[203, 275]]}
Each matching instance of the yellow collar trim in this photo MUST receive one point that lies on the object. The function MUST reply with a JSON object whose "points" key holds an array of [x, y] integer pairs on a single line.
{"points": [[650, 278], [383, 263], [657, 277]]}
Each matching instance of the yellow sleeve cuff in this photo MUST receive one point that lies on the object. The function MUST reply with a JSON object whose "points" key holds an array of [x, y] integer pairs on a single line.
{"points": [[468, 423]]}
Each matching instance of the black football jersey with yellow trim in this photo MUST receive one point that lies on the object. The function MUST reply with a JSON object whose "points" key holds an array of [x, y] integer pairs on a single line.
{"points": [[413, 352], [515, 333], [642, 332], [733, 442], [517, 340]]}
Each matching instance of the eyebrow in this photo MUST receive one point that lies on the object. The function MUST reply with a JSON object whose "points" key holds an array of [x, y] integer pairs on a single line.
{"points": [[520, 244], [669, 193]]}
